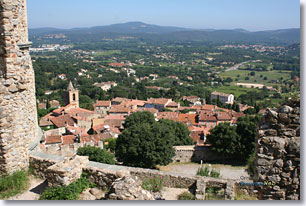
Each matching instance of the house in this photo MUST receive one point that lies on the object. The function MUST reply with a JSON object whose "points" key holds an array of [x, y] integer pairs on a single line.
{"points": [[54, 104], [223, 97], [120, 110], [193, 99], [105, 86], [207, 119], [168, 115], [173, 106], [102, 107], [118, 100], [42, 105], [158, 104]]}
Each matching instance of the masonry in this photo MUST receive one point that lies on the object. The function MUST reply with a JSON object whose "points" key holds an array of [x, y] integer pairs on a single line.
{"points": [[278, 153], [18, 120]]}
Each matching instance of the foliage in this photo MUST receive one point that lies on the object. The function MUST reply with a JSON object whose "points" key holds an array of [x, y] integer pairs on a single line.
{"points": [[139, 117], [70, 192], [241, 195], [110, 144], [214, 193], [224, 139], [11, 185], [145, 145], [251, 164], [96, 154], [207, 172], [237, 141], [180, 130], [154, 184], [186, 196]]}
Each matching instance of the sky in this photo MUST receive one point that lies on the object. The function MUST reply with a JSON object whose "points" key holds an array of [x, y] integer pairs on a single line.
{"points": [[253, 15]]}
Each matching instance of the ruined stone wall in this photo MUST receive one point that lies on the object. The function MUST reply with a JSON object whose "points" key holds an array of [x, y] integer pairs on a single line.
{"points": [[278, 153], [196, 154], [18, 118]]}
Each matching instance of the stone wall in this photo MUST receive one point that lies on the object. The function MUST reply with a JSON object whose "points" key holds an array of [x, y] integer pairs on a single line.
{"points": [[18, 117], [278, 153], [196, 154]]}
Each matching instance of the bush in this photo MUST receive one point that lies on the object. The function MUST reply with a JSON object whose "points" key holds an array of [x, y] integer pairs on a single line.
{"points": [[111, 144], [70, 192], [154, 184], [186, 196], [251, 164], [97, 154], [11, 185], [207, 172]]}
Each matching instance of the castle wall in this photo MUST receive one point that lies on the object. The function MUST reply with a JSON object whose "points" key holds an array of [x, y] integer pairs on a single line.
{"points": [[278, 153], [18, 117]]}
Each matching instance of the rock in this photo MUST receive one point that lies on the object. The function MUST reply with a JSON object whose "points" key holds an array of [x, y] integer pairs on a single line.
{"points": [[279, 163], [285, 109], [282, 117], [86, 195], [263, 162], [129, 188], [99, 194]]}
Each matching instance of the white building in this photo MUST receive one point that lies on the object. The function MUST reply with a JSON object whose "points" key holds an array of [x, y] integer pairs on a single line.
{"points": [[224, 98]]}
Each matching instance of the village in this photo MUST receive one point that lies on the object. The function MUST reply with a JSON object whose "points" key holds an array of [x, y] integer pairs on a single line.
{"points": [[69, 127]]}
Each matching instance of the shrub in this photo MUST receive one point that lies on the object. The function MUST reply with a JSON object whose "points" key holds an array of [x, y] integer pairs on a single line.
{"points": [[70, 192], [251, 164], [111, 144], [207, 172], [97, 154], [154, 184], [186, 196], [214, 193], [11, 185]]}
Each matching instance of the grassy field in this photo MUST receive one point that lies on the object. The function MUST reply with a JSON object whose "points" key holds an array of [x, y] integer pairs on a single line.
{"points": [[240, 75], [235, 90]]}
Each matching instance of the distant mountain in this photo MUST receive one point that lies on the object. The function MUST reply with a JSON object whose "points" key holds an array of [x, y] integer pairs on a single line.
{"points": [[166, 33]]}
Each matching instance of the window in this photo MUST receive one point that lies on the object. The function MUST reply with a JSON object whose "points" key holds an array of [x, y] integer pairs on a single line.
{"points": [[73, 97]]}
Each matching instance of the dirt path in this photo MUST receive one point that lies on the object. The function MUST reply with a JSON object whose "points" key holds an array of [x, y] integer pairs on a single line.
{"points": [[190, 169], [172, 193], [36, 187]]}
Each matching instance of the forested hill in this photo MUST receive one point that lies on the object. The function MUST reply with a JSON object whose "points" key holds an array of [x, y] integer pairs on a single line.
{"points": [[149, 32]]}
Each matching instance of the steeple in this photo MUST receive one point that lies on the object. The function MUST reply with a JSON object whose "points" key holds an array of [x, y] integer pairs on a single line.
{"points": [[70, 87]]}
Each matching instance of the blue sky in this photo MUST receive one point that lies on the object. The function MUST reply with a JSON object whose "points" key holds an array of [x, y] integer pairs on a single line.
{"points": [[253, 15]]}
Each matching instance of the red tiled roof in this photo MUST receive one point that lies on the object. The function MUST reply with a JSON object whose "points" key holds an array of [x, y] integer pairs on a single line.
{"points": [[172, 104], [161, 101], [188, 118], [68, 139], [113, 122], [223, 116], [152, 110], [116, 64], [207, 116], [53, 139], [168, 115], [62, 121], [115, 117], [120, 109], [103, 104], [208, 107], [119, 99]]}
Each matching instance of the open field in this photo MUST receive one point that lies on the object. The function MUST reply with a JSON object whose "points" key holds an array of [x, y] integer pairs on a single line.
{"points": [[240, 75], [235, 90]]}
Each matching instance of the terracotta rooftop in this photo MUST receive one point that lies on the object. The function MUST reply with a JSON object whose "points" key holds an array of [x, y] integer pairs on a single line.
{"points": [[207, 116], [161, 101], [53, 139], [68, 139], [172, 104], [103, 104], [188, 118], [63, 121], [120, 109], [168, 115]]}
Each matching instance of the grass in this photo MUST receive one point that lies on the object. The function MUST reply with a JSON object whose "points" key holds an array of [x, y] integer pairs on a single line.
{"points": [[214, 193], [208, 172], [11, 185], [235, 90], [240, 195], [259, 76], [154, 184], [186, 196]]}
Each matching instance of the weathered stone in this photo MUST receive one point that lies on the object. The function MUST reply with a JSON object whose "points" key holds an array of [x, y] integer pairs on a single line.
{"points": [[285, 109], [86, 195], [99, 194]]}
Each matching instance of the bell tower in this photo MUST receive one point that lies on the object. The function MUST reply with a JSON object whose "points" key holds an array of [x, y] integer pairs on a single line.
{"points": [[72, 95], [18, 116]]}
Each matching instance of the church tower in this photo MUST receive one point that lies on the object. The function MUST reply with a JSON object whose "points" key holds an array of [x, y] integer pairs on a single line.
{"points": [[18, 116], [72, 95]]}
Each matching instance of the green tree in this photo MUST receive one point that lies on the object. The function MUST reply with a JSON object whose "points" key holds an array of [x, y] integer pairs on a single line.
{"points": [[224, 139], [145, 145], [181, 132], [97, 154], [139, 117]]}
